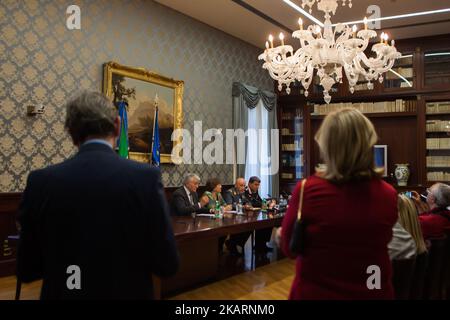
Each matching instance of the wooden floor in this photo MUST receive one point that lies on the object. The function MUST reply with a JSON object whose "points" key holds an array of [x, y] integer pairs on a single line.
{"points": [[270, 282]]}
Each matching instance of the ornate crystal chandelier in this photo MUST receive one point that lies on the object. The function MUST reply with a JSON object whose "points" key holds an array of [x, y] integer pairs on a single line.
{"points": [[329, 52]]}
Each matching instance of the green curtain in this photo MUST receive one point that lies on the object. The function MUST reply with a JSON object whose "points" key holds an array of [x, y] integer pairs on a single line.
{"points": [[247, 97]]}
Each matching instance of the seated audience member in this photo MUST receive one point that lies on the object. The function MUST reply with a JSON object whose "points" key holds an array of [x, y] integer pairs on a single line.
{"points": [[232, 197], [236, 193], [263, 237], [402, 245], [106, 215], [185, 199], [348, 213], [407, 217], [213, 192], [435, 217], [252, 193]]}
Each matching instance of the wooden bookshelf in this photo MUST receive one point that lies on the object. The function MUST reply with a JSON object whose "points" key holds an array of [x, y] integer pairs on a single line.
{"points": [[437, 141], [292, 144], [404, 132]]}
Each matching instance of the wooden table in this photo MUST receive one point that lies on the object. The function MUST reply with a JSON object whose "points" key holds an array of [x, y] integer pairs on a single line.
{"points": [[197, 241]]}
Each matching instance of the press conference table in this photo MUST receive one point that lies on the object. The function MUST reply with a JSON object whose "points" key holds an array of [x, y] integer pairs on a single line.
{"points": [[197, 241]]}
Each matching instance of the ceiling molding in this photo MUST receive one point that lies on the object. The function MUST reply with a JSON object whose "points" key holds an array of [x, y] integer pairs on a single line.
{"points": [[262, 15]]}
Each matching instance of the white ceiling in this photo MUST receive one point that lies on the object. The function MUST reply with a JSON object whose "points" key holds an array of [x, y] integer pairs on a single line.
{"points": [[245, 24]]}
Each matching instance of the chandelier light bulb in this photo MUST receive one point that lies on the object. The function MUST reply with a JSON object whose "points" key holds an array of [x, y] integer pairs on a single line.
{"points": [[282, 38], [365, 23], [382, 37], [300, 23], [267, 44], [354, 29], [386, 38], [271, 40]]}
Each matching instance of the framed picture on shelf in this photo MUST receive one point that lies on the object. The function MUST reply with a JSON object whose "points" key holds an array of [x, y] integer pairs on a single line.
{"points": [[380, 155]]}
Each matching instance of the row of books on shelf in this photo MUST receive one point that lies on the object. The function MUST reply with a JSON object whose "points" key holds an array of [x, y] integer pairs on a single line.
{"points": [[287, 175], [291, 161], [398, 105], [438, 161], [438, 143], [437, 126], [297, 131], [438, 107], [296, 146], [438, 176], [404, 72], [292, 115]]}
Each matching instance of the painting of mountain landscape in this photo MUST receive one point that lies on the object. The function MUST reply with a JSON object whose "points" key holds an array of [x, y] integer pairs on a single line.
{"points": [[140, 96]]}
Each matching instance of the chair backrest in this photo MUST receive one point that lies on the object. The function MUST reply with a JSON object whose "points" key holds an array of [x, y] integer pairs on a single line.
{"points": [[435, 271], [418, 279], [403, 270]]}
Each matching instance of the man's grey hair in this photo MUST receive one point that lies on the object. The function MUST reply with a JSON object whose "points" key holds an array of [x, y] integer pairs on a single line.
{"points": [[190, 176], [88, 114], [441, 192]]}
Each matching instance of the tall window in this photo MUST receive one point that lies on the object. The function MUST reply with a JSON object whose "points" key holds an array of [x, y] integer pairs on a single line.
{"points": [[258, 147]]}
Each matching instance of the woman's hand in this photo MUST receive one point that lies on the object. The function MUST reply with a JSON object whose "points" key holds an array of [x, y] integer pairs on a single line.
{"points": [[415, 196], [420, 205], [204, 200]]}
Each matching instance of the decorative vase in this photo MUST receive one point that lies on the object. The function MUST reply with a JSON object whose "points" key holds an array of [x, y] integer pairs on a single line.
{"points": [[402, 174]]}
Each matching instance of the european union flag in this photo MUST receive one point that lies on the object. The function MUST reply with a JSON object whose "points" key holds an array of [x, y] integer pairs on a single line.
{"points": [[123, 137], [156, 145]]}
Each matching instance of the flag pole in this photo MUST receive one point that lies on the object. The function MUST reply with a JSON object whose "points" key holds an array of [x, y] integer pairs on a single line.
{"points": [[154, 123]]}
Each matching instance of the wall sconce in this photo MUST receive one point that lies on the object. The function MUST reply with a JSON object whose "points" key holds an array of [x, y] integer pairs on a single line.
{"points": [[34, 110]]}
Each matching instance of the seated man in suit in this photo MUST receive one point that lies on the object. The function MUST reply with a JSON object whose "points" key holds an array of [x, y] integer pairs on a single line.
{"points": [[252, 194], [434, 215], [233, 195], [185, 199], [95, 226], [263, 236]]}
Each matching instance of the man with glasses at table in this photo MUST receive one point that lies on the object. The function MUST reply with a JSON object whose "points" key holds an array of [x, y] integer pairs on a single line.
{"points": [[434, 216]]}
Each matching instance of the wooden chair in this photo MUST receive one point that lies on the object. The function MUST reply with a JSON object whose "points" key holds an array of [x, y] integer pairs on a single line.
{"points": [[435, 271], [403, 270]]}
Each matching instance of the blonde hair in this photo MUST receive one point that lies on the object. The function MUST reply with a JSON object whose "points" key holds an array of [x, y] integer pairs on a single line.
{"points": [[346, 139], [407, 217]]}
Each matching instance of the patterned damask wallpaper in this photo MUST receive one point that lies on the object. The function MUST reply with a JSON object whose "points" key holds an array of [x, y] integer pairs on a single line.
{"points": [[41, 61]]}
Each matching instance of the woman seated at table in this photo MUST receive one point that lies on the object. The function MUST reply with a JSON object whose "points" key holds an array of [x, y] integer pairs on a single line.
{"points": [[213, 192]]}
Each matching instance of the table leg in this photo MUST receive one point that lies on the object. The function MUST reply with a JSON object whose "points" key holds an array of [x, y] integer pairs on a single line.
{"points": [[18, 289]]}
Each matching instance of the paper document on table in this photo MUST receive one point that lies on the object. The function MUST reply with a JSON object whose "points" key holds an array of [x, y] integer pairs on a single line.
{"points": [[230, 211], [205, 215]]}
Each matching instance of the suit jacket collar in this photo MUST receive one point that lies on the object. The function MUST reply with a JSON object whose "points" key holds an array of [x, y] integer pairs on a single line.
{"points": [[186, 191], [96, 147]]}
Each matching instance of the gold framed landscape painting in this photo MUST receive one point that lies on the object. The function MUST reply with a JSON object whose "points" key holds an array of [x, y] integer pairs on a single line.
{"points": [[138, 88]]}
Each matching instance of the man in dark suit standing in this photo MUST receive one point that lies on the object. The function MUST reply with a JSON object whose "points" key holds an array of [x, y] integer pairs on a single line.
{"points": [[95, 226], [185, 199]]}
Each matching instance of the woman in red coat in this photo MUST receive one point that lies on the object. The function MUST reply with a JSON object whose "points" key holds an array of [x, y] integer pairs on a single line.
{"points": [[349, 213]]}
